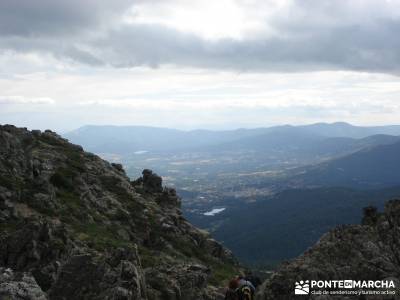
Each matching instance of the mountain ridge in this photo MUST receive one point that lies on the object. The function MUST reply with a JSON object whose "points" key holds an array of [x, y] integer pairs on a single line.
{"points": [[157, 138], [368, 252], [375, 167], [75, 227]]}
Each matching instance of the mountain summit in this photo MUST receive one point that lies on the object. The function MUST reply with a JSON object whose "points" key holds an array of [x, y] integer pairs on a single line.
{"points": [[73, 226]]}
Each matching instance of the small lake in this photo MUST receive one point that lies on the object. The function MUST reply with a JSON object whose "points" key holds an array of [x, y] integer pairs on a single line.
{"points": [[214, 211]]}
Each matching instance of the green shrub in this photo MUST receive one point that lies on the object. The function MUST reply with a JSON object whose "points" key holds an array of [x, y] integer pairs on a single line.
{"points": [[148, 258], [8, 227], [63, 178], [99, 236], [10, 182], [6, 182], [222, 273]]}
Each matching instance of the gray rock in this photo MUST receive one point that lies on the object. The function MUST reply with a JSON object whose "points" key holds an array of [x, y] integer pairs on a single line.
{"points": [[152, 183], [19, 286]]}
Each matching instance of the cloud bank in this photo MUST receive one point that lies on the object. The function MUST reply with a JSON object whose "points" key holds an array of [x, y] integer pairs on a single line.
{"points": [[261, 36], [198, 64]]}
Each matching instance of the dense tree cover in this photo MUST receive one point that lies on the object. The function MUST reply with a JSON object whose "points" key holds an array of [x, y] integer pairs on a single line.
{"points": [[282, 227]]}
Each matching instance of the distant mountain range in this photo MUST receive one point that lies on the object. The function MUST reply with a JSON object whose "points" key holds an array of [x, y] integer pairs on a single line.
{"points": [[371, 167], [342, 129], [295, 142], [128, 139]]}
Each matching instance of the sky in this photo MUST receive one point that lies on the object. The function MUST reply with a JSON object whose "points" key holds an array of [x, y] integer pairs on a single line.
{"points": [[198, 64]]}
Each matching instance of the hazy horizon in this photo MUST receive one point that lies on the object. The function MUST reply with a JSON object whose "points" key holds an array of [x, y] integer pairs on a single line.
{"points": [[197, 128]]}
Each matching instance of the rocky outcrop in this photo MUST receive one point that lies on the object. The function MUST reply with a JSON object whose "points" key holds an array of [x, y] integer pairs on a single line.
{"points": [[15, 286], [370, 251], [73, 226]]}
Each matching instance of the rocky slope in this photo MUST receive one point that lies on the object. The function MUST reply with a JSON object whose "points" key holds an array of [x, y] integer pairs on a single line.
{"points": [[73, 226], [370, 251]]}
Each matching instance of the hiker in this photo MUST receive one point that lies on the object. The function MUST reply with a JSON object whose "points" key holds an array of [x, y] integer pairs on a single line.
{"points": [[231, 293], [240, 289], [244, 281], [255, 280]]}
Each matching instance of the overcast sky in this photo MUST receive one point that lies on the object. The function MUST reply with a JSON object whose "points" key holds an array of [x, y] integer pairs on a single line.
{"points": [[198, 64]]}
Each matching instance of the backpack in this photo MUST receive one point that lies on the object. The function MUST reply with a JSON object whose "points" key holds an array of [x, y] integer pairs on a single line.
{"points": [[255, 280], [245, 292]]}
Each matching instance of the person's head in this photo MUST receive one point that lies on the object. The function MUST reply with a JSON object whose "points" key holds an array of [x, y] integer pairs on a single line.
{"points": [[233, 284]]}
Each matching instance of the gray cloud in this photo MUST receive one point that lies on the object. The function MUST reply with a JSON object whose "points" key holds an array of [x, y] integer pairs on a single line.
{"points": [[38, 18], [351, 47], [312, 35]]}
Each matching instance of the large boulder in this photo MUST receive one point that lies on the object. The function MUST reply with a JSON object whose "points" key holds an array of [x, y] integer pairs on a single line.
{"points": [[152, 183]]}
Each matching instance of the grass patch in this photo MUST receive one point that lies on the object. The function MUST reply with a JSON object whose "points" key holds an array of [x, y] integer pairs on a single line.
{"points": [[121, 216], [70, 199], [42, 208], [49, 140], [63, 178], [58, 244], [188, 249], [6, 182], [113, 185], [221, 273], [75, 160], [11, 182], [75, 157], [72, 207], [148, 258], [8, 227], [101, 237]]}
